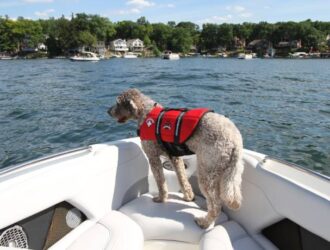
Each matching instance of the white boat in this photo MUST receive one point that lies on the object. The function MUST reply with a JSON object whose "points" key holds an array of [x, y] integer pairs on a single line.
{"points": [[85, 57], [100, 197], [115, 56], [169, 55], [244, 56], [6, 57], [130, 55], [298, 55], [222, 55]]}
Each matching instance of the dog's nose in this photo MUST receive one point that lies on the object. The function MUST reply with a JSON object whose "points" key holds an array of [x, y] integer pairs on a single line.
{"points": [[109, 111]]}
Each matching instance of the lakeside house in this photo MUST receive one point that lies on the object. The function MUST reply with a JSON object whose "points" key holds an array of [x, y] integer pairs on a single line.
{"points": [[135, 45], [328, 40], [100, 48], [239, 43], [284, 48], [261, 47], [119, 45], [294, 44]]}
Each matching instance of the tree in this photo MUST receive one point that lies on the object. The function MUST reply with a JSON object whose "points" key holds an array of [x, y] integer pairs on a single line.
{"points": [[262, 30], [309, 36], [124, 29], [181, 40], [209, 36], [85, 38], [101, 28], [225, 35], [161, 34]]}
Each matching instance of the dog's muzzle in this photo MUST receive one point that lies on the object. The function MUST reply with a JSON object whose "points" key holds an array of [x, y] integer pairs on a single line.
{"points": [[110, 111]]}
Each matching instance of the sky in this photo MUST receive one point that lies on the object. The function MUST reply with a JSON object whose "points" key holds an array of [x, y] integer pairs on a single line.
{"points": [[197, 11]]}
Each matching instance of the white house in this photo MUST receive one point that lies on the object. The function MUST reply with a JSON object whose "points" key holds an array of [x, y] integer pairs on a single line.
{"points": [[135, 45], [119, 45], [100, 47], [42, 47]]}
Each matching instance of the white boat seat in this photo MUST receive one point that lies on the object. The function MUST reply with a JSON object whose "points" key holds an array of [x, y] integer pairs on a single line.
{"points": [[173, 220], [114, 231], [229, 235]]}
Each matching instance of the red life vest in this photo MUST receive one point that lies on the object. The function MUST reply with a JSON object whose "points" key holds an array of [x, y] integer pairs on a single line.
{"points": [[171, 127]]}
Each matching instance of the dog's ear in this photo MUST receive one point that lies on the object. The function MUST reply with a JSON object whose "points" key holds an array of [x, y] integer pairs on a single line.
{"points": [[134, 108]]}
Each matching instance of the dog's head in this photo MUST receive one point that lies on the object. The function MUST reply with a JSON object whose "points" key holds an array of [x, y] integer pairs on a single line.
{"points": [[128, 105]]}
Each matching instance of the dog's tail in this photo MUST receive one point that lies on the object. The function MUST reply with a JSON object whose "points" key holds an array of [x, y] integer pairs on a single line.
{"points": [[231, 181]]}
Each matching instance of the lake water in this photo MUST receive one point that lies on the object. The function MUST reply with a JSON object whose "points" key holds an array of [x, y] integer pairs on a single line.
{"points": [[282, 107]]}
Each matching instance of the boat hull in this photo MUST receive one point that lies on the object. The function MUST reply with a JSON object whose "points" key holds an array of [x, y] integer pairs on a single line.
{"points": [[105, 177]]}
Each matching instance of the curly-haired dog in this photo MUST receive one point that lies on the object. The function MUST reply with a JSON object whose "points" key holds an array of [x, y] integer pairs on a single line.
{"points": [[217, 144]]}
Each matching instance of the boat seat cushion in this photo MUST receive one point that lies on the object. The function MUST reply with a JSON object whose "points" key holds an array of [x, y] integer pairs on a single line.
{"points": [[229, 235], [114, 231], [173, 220]]}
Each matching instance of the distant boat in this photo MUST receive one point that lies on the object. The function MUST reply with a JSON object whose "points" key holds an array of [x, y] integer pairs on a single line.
{"points": [[298, 55], [115, 56], [169, 55], [244, 56], [222, 55], [130, 55], [85, 57], [6, 58]]}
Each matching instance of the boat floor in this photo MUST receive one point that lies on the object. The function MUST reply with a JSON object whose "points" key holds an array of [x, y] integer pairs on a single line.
{"points": [[165, 244]]}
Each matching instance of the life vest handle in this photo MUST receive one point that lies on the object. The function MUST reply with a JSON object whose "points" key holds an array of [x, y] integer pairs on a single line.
{"points": [[178, 109]]}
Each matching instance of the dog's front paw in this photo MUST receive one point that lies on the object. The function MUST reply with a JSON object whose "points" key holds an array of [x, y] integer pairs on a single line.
{"points": [[159, 199], [202, 222]]}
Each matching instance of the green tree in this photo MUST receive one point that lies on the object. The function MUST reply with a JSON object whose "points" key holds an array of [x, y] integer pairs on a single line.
{"points": [[262, 30], [209, 36], [85, 38], [161, 35], [181, 40], [225, 35]]}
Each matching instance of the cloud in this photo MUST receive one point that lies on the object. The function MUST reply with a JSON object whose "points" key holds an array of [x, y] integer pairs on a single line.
{"points": [[44, 14], [137, 6], [239, 11], [38, 1], [217, 19], [246, 14], [130, 11], [168, 5], [140, 3], [236, 8]]}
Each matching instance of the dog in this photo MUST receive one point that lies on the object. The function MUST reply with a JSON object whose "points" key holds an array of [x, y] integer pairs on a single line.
{"points": [[218, 146]]}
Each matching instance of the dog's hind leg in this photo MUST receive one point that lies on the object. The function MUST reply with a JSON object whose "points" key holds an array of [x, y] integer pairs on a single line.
{"points": [[188, 194], [231, 183], [211, 191]]}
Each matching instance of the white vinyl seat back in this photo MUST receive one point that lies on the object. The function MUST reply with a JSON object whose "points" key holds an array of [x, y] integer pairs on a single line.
{"points": [[113, 232]]}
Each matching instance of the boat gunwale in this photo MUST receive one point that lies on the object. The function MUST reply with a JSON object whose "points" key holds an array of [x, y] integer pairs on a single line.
{"points": [[296, 166], [13, 168]]}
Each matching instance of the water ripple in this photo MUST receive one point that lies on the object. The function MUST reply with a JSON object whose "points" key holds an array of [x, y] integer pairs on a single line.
{"points": [[280, 106]]}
